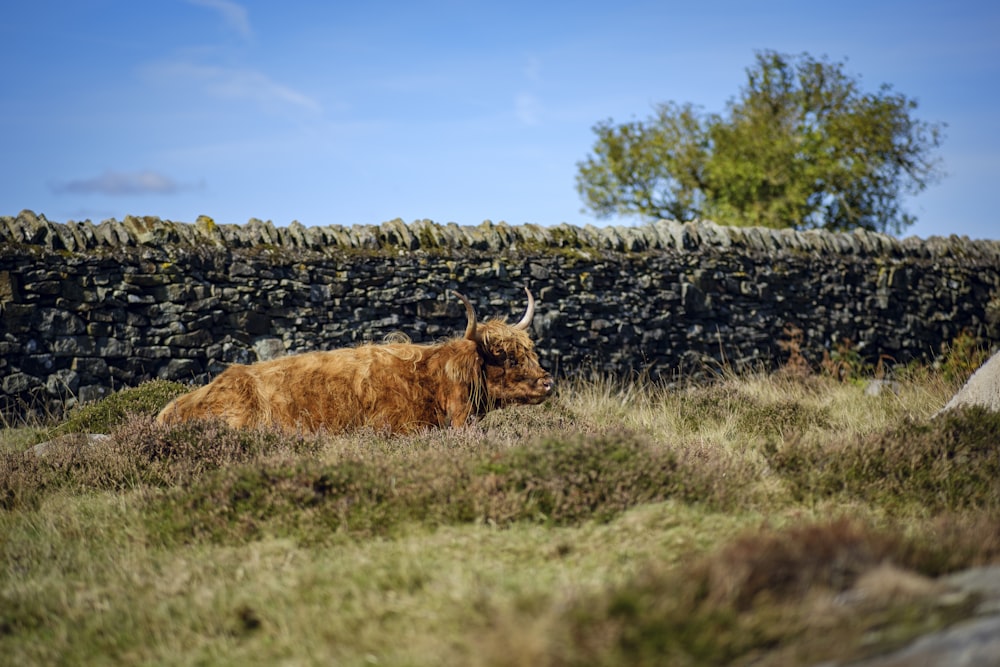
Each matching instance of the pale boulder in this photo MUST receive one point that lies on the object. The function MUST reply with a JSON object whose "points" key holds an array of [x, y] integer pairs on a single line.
{"points": [[983, 388]]}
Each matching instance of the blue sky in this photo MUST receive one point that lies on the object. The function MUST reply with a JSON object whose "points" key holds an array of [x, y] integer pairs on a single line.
{"points": [[361, 112]]}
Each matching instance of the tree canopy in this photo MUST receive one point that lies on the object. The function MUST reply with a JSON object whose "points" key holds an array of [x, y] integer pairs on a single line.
{"points": [[803, 146]]}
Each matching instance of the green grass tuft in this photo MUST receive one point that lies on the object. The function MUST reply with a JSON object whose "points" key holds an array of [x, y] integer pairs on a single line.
{"points": [[103, 415]]}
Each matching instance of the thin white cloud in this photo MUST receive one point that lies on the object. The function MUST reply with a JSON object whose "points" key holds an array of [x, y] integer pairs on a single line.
{"points": [[234, 84], [533, 69], [233, 14], [121, 183], [527, 108]]}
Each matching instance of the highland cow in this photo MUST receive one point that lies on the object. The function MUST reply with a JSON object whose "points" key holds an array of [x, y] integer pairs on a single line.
{"points": [[393, 387]]}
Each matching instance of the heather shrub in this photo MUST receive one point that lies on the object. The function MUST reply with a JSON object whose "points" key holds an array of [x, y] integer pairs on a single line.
{"points": [[566, 480], [138, 453], [946, 464], [792, 596], [551, 481], [950, 542], [528, 422]]}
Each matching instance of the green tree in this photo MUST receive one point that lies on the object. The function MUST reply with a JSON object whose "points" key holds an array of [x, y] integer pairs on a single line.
{"points": [[802, 147]]}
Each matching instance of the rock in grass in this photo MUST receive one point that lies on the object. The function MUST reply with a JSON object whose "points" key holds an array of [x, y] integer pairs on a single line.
{"points": [[973, 643], [983, 388], [70, 440]]}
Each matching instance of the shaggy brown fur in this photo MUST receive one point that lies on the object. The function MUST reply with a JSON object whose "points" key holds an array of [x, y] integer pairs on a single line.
{"points": [[396, 387]]}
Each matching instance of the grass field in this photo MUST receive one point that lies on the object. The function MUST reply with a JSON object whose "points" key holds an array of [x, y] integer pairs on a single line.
{"points": [[768, 519]]}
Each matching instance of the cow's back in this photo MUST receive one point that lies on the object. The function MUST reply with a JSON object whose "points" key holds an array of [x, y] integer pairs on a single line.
{"points": [[233, 397], [377, 386]]}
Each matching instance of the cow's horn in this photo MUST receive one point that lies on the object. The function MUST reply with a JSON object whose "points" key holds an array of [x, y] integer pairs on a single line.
{"points": [[470, 312], [528, 314]]}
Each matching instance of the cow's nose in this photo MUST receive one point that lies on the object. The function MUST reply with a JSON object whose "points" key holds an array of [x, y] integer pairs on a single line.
{"points": [[547, 383]]}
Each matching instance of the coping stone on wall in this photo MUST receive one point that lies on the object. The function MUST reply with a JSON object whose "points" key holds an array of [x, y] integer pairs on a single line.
{"points": [[33, 229]]}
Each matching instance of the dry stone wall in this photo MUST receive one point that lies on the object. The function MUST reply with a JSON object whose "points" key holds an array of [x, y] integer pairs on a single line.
{"points": [[88, 308]]}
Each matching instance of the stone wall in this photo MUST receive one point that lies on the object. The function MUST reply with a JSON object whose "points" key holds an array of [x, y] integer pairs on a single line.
{"points": [[91, 308]]}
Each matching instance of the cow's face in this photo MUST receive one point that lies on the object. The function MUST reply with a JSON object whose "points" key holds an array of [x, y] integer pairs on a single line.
{"points": [[513, 374], [510, 364]]}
